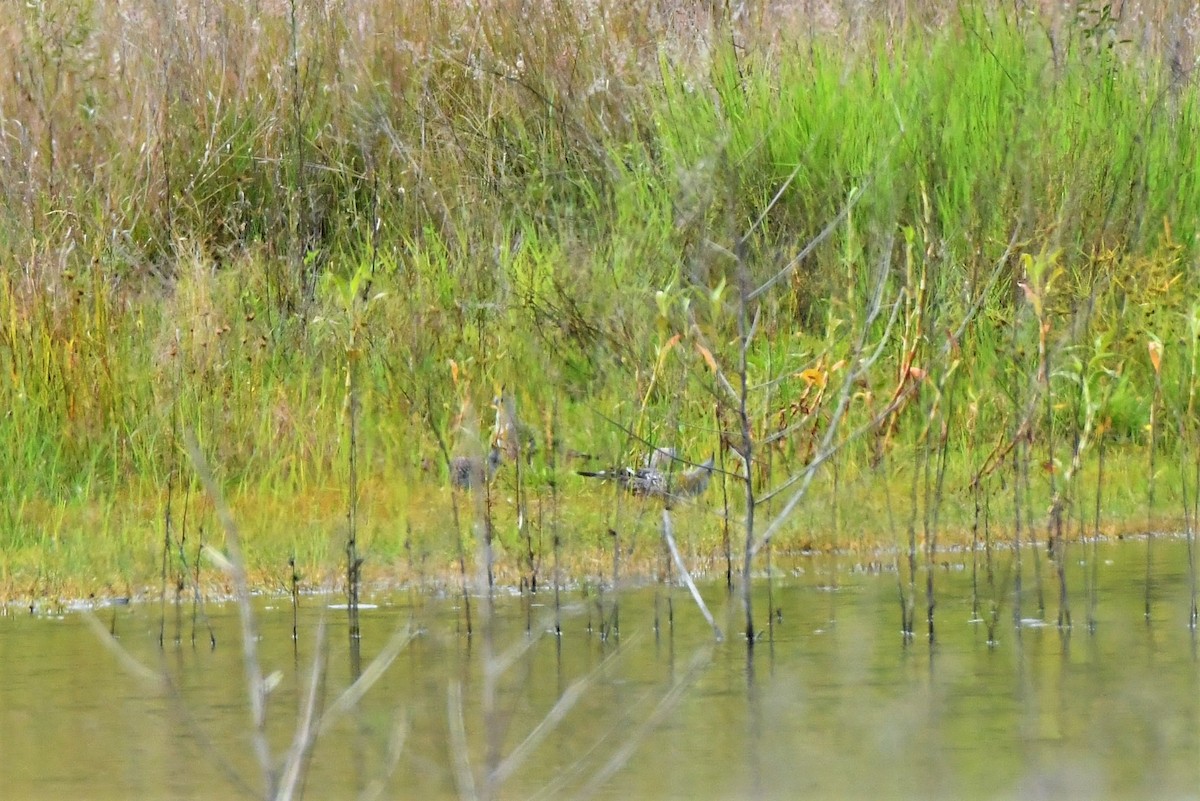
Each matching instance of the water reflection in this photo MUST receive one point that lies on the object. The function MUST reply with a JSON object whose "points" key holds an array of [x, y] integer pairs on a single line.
{"points": [[834, 704]]}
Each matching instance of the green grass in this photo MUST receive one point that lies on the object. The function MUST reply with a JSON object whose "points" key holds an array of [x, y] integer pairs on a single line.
{"points": [[549, 201]]}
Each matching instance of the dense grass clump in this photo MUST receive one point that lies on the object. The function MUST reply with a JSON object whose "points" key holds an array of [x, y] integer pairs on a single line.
{"points": [[209, 211]]}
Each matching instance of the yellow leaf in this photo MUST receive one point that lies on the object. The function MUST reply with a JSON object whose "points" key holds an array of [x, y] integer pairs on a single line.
{"points": [[813, 377]]}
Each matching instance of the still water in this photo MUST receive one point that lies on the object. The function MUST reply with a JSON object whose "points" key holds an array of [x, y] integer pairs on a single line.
{"points": [[834, 705]]}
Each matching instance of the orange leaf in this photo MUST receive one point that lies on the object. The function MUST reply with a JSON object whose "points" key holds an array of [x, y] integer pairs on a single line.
{"points": [[1155, 349], [708, 357]]}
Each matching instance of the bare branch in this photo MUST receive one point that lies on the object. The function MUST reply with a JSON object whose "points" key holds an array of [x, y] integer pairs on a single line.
{"points": [[825, 232], [305, 735], [827, 448], [863, 365], [236, 567], [687, 577], [722, 379]]}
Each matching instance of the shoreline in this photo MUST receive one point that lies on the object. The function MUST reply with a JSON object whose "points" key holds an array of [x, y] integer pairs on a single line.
{"points": [[881, 560]]}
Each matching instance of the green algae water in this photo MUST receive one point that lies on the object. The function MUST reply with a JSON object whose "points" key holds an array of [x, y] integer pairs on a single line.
{"points": [[831, 703]]}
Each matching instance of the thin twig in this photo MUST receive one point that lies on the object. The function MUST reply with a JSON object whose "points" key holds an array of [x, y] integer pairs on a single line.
{"points": [[687, 577], [235, 567], [305, 735], [825, 232]]}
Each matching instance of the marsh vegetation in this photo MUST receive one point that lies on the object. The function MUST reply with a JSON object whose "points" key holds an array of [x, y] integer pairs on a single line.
{"points": [[914, 277]]}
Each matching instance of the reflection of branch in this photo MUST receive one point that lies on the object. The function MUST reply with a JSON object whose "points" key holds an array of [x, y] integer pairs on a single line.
{"points": [[500, 664], [566, 701], [396, 743], [163, 681], [458, 742], [634, 739], [279, 785], [311, 726], [127, 660], [504, 769], [371, 674]]}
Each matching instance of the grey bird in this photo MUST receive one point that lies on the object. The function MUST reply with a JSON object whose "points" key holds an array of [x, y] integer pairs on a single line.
{"points": [[651, 481], [474, 471]]}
